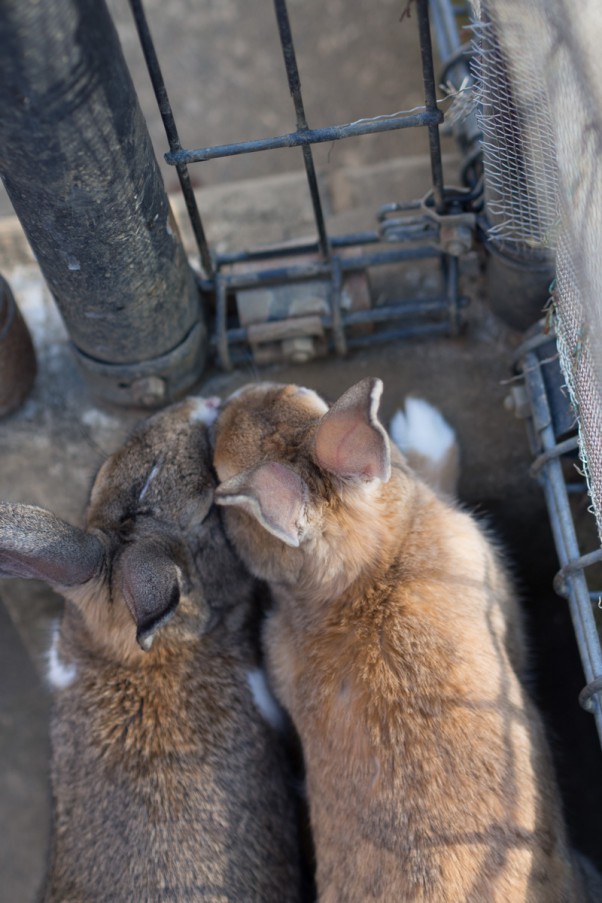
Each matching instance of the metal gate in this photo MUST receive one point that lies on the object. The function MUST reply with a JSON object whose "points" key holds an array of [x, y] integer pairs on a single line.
{"points": [[438, 226]]}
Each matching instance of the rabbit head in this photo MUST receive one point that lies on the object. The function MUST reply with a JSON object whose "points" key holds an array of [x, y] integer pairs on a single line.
{"points": [[307, 474], [133, 571]]}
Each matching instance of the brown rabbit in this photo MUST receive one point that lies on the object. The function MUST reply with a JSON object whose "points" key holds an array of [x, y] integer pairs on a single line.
{"points": [[168, 782], [393, 645]]}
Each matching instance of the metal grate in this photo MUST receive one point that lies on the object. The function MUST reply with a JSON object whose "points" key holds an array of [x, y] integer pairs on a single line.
{"points": [[439, 227]]}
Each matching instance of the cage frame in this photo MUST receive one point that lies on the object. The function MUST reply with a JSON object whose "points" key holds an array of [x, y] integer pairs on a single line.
{"points": [[430, 233]]}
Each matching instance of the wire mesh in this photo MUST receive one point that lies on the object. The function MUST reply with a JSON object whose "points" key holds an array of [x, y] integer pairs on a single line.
{"points": [[519, 154], [540, 82], [538, 75]]}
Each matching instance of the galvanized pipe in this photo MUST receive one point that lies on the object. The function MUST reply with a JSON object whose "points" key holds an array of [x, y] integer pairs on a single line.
{"points": [[445, 28], [78, 165]]}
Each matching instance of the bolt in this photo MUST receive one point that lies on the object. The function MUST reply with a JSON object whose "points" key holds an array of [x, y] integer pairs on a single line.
{"points": [[299, 350], [456, 240], [517, 402], [148, 391]]}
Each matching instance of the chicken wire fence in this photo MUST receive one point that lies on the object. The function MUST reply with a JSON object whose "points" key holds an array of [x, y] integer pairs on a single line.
{"points": [[533, 70], [539, 80]]}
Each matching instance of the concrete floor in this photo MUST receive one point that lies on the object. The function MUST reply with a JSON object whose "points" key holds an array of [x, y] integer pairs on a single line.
{"points": [[222, 73]]}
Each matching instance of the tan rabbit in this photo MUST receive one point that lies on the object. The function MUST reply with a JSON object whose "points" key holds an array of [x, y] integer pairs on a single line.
{"points": [[392, 644], [168, 782]]}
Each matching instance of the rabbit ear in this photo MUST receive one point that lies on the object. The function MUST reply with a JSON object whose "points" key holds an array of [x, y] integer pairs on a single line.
{"points": [[147, 576], [34, 543], [350, 441], [272, 493]]}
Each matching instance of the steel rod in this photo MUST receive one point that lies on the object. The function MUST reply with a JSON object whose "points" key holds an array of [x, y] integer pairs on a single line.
{"points": [[384, 314], [171, 131], [417, 330], [294, 83], [430, 93], [318, 270], [310, 136]]}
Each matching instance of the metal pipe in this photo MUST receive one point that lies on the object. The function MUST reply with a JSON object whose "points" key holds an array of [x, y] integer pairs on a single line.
{"points": [[445, 28], [401, 311], [309, 136], [78, 166], [417, 331], [563, 530], [303, 272]]}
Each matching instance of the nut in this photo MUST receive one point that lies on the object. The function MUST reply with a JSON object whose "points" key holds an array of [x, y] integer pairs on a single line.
{"points": [[299, 350], [149, 391]]}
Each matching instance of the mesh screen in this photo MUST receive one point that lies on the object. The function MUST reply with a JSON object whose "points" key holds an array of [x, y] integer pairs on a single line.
{"points": [[539, 85], [518, 143]]}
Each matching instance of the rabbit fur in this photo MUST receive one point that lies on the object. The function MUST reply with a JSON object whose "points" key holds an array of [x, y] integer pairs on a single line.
{"points": [[168, 782], [394, 643]]}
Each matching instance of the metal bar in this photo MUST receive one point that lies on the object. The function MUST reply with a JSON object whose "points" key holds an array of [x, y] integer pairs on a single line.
{"points": [[221, 330], [169, 124], [294, 83], [565, 539], [430, 94], [406, 332], [443, 17], [375, 315], [337, 319], [310, 247], [296, 273], [309, 136], [562, 448], [238, 356], [336, 241], [574, 565], [389, 312]]}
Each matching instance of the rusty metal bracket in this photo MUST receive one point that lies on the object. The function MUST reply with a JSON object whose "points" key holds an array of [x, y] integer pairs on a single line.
{"points": [[452, 233]]}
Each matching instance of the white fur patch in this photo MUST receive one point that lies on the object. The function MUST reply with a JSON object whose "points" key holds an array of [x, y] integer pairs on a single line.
{"points": [[422, 429], [264, 700], [320, 403], [149, 480], [60, 675], [205, 410]]}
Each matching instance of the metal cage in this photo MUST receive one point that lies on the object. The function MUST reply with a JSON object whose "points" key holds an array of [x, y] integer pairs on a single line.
{"points": [[439, 226]]}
